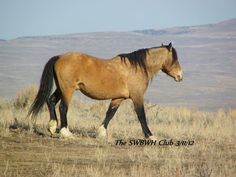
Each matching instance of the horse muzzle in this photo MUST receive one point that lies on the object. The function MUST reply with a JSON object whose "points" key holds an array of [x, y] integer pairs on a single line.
{"points": [[179, 77]]}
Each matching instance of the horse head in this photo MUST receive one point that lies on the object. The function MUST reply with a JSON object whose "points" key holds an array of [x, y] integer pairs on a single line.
{"points": [[171, 65]]}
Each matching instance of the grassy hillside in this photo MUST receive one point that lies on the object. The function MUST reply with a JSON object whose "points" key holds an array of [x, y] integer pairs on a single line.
{"points": [[26, 148]]}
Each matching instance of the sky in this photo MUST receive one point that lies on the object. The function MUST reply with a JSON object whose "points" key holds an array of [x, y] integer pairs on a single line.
{"points": [[47, 17]]}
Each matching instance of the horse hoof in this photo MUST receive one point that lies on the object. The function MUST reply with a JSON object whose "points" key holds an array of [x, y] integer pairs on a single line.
{"points": [[152, 138], [65, 133], [52, 126], [101, 132]]}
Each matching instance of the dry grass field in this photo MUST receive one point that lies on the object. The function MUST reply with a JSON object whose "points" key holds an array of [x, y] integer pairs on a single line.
{"points": [[27, 149]]}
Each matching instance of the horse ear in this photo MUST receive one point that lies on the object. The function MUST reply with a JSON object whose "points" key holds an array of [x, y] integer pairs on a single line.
{"points": [[170, 46]]}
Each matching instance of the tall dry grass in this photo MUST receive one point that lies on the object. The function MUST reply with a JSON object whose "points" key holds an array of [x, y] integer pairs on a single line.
{"points": [[213, 152]]}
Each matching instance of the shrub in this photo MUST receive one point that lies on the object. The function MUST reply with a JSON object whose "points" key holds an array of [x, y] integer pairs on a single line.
{"points": [[25, 97]]}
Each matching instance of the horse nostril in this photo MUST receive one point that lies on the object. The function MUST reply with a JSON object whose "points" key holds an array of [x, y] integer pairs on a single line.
{"points": [[179, 78]]}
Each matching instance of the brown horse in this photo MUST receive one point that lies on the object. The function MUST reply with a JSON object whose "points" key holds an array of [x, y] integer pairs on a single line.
{"points": [[125, 76]]}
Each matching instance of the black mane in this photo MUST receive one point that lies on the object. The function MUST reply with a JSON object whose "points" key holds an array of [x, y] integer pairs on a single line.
{"points": [[174, 54], [136, 58]]}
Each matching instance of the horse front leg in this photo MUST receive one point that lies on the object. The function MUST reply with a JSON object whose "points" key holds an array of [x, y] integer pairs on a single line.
{"points": [[139, 109], [114, 105]]}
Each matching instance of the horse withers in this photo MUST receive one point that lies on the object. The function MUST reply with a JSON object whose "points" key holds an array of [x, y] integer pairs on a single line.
{"points": [[125, 76]]}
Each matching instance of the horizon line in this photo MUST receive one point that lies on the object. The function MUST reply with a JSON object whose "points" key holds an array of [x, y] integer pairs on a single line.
{"points": [[115, 31]]}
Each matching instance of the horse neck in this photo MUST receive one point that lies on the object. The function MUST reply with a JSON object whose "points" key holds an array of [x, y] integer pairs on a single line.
{"points": [[156, 58]]}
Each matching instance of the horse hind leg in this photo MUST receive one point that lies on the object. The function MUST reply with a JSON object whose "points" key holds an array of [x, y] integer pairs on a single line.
{"points": [[63, 108], [51, 103]]}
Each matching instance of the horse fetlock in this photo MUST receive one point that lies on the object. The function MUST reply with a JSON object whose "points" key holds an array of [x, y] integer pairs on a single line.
{"points": [[101, 132], [65, 133], [52, 126]]}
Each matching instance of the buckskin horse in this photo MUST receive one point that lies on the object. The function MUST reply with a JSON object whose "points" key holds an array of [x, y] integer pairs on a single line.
{"points": [[125, 76]]}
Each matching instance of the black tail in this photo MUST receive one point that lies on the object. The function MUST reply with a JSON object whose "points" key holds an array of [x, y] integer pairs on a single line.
{"points": [[45, 88]]}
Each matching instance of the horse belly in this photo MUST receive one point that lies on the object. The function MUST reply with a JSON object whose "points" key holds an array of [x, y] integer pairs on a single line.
{"points": [[103, 90]]}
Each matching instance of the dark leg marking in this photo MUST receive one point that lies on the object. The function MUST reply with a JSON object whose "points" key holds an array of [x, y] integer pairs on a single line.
{"points": [[52, 101], [139, 109], [63, 108], [109, 115], [114, 105]]}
